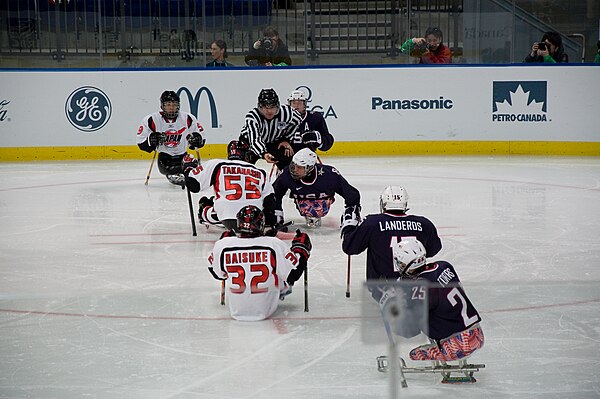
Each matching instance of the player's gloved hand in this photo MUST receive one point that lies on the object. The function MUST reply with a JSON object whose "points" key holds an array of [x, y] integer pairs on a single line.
{"points": [[350, 219], [155, 139], [228, 233], [188, 164], [312, 138], [301, 244], [195, 140]]}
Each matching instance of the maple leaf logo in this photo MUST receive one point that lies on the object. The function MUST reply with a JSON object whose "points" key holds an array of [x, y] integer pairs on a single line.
{"points": [[520, 103]]}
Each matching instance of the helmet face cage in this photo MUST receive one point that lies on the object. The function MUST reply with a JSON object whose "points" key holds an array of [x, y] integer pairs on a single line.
{"points": [[268, 98], [297, 95], [393, 197], [409, 257], [237, 150], [303, 163], [250, 220], [166, 97]]}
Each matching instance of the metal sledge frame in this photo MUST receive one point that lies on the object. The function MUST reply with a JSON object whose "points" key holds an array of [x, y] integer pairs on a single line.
{"points": [[441, 367]]}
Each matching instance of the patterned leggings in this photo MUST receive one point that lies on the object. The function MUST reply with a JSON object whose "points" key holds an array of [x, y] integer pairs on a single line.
{"points": [[455, 347]]}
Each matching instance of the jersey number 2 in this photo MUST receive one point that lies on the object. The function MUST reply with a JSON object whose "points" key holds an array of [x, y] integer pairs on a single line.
{"points": [[260, 274], [452, 295]]}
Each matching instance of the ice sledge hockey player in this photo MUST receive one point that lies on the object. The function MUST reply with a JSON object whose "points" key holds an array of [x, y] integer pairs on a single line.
{"points": [[236, 183], [312, 132], [269, 128], [259, 270], [379, 232], [170, 132], [313, 187], [453, 322]]}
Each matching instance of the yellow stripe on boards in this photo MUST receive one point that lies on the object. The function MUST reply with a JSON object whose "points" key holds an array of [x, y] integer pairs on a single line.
{"points": [[362, 148]]}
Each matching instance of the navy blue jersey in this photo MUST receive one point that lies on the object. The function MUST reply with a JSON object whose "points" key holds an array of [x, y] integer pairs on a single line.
{"points": [[450, 310], [379, 233], [312, 121], [326, 182]]}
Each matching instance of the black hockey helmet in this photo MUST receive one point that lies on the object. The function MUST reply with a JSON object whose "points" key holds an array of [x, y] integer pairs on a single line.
{"points": [[268, 98], [251, 220], [237, 150], [169, 96]]}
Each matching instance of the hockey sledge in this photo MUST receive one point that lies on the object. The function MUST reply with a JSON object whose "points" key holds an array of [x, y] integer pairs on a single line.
{"points": [[451, 373]]}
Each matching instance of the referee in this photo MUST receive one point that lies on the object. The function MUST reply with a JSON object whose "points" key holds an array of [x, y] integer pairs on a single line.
{"points": [[269, 128]]}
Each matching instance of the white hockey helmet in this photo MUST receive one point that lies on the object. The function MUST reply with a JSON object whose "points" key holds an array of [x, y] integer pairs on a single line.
{"points": [[297, 95], [393, 197], [409, 256], [303, 163]]}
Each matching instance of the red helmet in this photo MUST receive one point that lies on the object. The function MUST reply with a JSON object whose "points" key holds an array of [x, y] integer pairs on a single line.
{"points": [[251, 220], [237, 150]]}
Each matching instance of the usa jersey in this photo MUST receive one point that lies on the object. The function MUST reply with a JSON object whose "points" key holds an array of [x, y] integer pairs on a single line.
{"points": [[327, 182], [259, 131], [236, 184], [256, 269], [450, 310], [312, 121], [175, 132], [379, 234]]}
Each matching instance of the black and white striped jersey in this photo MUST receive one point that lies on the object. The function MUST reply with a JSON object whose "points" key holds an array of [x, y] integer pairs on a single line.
{"points": [[258, 131]]}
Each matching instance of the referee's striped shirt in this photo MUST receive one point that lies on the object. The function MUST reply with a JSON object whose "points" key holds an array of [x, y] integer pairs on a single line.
{"points": [[259, 132]]}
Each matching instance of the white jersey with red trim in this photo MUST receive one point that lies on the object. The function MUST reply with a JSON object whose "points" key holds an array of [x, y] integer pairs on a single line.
{"points": [[236, 184], [256, 269], [175, 131]]}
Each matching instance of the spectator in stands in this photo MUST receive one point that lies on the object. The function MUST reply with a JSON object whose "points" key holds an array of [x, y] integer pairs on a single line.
{"points": [[269, 51], [549, 50], [597, 58], [218, 51], [429, 49]]}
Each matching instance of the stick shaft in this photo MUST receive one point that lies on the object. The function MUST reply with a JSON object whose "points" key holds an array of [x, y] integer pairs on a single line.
{"points": [[191, 206], [348, 279], [306, 289], [222, 292], [150, 170]]}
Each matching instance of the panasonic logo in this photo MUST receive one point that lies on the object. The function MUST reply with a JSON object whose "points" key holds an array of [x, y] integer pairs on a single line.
{"points": [[385, 104]]}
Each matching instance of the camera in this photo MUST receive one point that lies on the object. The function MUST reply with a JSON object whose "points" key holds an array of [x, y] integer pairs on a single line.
{"points": [[542, 46], [267, 43]]}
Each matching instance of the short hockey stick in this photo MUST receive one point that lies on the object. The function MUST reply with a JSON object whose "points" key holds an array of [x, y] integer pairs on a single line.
{"points": [[306, 288], [150, 170], [191, 206], [222, 292], [348, 279]]}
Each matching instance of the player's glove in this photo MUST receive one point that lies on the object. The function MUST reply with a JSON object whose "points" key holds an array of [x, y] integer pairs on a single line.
{"points": [[301, 244], [195, 140], [188, 164], [350, 219], [312, 138], [155, 139]]}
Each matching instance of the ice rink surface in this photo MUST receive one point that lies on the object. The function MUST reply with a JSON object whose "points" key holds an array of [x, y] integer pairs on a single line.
{"points": [[104, 293]]}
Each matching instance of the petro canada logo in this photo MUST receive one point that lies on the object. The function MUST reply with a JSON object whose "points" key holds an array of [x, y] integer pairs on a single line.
{"points": [[520, 101], [88, 109]]}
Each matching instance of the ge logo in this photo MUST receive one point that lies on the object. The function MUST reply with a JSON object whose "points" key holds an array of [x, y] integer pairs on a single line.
{"points": [[88, 109]]}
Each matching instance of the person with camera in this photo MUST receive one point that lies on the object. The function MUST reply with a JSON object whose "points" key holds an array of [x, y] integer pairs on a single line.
{"points": [[429, 49], [549, 50], [269, 51]]}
